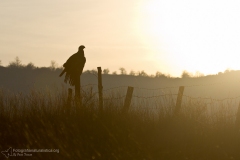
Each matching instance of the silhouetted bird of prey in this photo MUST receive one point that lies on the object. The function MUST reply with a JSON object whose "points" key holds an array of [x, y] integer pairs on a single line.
{"points": [[74, 66]]}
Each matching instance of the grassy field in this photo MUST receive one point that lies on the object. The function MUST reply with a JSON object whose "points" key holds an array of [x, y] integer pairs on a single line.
{"points": [[44, 120]]}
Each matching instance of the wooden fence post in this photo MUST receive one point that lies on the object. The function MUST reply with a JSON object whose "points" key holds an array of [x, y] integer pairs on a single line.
{"points": [[128, 99], [100, 89], [69, 100], [238, 117], [78, 93], [179, 100]]}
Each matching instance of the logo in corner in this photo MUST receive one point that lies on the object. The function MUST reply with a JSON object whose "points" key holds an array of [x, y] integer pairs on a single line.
{"points": [[7, 153]]}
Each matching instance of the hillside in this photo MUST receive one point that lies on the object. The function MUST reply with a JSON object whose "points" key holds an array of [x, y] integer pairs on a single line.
{"points": [[216, 86]]}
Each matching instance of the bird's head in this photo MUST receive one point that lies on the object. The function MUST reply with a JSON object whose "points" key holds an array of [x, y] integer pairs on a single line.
{"points": [[81, 47]]}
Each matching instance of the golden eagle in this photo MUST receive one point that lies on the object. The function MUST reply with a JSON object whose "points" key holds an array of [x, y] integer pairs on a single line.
{"points": [[74, 66]]}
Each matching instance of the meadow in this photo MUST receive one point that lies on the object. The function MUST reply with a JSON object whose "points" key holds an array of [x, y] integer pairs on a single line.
{"points": [[45, 120], [35, 113]]}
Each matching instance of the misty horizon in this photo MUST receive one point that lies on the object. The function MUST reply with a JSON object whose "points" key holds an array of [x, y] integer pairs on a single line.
{"points": [[17, 62]]}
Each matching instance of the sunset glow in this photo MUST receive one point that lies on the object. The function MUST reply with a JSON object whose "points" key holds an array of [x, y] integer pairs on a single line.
{"points": [[193, 35], [152, 35]]}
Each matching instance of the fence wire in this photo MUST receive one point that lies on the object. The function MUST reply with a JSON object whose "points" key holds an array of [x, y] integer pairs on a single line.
{"points": [[158, 100], [148, 95]]}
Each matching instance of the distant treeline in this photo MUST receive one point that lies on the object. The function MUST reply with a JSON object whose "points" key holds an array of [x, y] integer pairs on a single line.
{"points": [[122, 71]]}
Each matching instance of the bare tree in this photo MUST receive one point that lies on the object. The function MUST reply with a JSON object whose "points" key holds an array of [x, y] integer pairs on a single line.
{"points": [[142, 73], [30, 65], [123, 70], [16, 63], [93, 71], [114, 73], [158, 74], [106, 71], [53, 65], [199, 74], [132, 73], [186, 74]]}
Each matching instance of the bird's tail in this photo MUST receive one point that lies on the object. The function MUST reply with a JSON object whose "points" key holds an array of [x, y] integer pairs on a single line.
{"points": [[62, 73]]}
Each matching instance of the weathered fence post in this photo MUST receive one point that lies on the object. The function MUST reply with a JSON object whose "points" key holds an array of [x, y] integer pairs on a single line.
{"points": [[238, 117], [128, 99], [78, 93], [179, 100], [100, 89], [69, 101]]}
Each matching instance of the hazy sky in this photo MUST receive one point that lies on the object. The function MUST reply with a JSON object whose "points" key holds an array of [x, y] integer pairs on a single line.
{"points": [[152, 35]]}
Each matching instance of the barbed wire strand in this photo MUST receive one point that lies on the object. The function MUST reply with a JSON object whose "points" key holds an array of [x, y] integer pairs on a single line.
{"points": [[88, 85], [114, 88], [163, 95], [114, 98], [212, 99]]}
